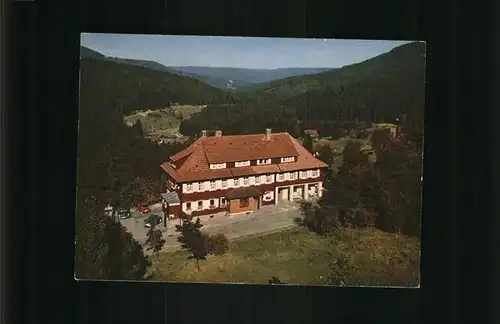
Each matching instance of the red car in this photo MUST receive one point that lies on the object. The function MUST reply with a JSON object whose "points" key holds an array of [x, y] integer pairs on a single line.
{"points": [[143, 208]]}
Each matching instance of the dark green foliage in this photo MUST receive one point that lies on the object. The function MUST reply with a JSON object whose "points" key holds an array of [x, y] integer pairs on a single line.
{"points": [[386, 193], [104, 248], [125, 87], [115, 160], [308, 143], [361, 92], [155, 241], [192, 239], [88, 53], [275, 281], [326, 154], [317, 218], [217, 244]]}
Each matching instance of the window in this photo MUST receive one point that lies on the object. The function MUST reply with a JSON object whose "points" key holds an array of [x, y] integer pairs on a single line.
{"points": [[196, 187], [188, 206], [244, 202], [314, 173], [218, 166], [287, 159], [302, 174], [268, 196], [236, 182], [292, 176], [212, 203], [241, 164], [189, 187], [245, 181], [263, 161], [200, 205], [224, 183], [201, 185], [281, 177], [212, 184], [269, 179], [223, 202], [257, 179]]}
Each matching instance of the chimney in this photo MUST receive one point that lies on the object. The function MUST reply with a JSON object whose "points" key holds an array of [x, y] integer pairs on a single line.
{"points": [[218, 133], [203, 133], [268, 134]]}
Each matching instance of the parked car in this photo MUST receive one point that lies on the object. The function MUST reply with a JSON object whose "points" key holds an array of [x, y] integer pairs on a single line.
{"points": [[152, 220], [143, 208], [123, 212]]}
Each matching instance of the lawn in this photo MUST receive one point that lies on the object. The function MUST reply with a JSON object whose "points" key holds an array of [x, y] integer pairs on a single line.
{"points": [[188, 110], [298, 257]]}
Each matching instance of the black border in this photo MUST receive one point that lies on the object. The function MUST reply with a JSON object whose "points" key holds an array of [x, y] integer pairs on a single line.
{"points": [[455, 189]]}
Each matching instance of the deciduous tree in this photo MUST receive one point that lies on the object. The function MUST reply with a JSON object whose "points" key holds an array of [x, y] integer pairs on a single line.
{"points": [[193, 239], [155, 241], [104, 249]]}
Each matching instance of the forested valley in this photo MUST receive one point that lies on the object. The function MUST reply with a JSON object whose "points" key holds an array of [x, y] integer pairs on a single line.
{"points": [[117, 164]]}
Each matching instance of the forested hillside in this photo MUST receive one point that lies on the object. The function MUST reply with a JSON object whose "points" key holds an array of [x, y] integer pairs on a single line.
{"points": [[381, 89], [86, 52], [129, 87]]}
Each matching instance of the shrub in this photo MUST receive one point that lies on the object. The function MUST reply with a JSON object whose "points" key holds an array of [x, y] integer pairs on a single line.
{"points": [[217, 244], [365, 218], [321, 220]]}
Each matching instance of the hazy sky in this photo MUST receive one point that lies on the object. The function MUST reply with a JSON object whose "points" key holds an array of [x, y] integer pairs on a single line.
{"points": [[243, 52]]}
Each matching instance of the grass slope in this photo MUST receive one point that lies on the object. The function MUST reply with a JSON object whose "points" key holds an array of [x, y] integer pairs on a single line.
{"points": [[301, 257]]}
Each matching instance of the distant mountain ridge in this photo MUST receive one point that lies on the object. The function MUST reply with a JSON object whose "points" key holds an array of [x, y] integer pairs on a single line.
{"points": [[249, 76], [220, 77], [382, 89], [404, 60]]}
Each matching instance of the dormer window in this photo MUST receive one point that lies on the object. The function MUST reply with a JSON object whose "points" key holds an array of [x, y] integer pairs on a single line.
{"points": [[263, 161], [287, 159], [241, 164], [217, 166]]}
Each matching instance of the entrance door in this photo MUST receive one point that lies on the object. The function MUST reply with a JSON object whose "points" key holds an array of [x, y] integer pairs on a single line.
{"points": [[299, 192], [284, 194]]}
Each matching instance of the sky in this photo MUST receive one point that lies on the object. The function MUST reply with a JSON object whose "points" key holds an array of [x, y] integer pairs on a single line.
{"points": [[240, 52]]}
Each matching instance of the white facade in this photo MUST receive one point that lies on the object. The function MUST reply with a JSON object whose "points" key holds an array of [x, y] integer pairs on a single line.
{"points": [[199, 205], [239, 182], [292, 192]]}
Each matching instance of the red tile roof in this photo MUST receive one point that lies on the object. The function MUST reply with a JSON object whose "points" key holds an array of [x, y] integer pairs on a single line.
{"points": [[196, 159], [220, 149]]}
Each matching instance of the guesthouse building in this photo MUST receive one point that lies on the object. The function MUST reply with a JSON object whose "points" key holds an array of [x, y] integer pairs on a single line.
{"points": [[239, 174]]}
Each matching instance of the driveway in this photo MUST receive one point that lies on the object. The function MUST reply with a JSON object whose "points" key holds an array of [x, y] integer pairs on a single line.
{"points": [[267, 219]]}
